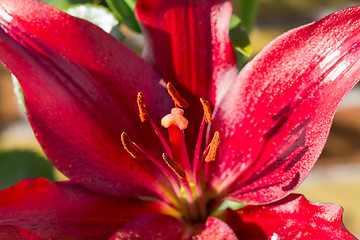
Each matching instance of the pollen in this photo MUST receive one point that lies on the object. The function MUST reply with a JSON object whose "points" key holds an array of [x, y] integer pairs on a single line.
{"points": [[175, 118], [214, 146], [174, 166], [141, 106], [129, 146], [175, 95], [207, 110]]}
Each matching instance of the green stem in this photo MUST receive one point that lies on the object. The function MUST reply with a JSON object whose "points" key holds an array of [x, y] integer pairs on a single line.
{"points": [[248, 13]]}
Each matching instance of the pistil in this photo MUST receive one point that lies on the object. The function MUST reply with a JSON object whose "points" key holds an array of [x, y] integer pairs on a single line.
{"points": [[183, 176]]}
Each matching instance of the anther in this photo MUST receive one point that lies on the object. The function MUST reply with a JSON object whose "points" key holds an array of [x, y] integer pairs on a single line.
{"points": [[175, 95], [214, 146], [207, 110], [174, 166], [129, 146], [141, 106]]}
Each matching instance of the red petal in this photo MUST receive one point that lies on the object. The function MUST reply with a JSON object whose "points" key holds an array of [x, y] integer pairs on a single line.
{"points": [[187, 42], [16, 233], [52, 210], [216, 229], [80, 86], [150, 227], [275, 119], [291, 218]]}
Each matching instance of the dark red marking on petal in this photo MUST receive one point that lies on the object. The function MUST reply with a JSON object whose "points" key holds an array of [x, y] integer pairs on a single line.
{"points": [[309, 69], [294, 182], [273, 165], [296, 159]]}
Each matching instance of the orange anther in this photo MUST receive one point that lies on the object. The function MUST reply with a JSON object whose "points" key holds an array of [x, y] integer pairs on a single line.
{"points": [[175, 95], [207, 110], [141, 106], [214, 146], [174, 166], [129, 146]]}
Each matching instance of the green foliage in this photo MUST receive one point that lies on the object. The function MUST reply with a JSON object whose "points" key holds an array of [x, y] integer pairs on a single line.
{"points": [[65, 4], [16, 165], [248, 13], [97, 14], [231, 204], [124, 12], [239, 36], [18, 92]]}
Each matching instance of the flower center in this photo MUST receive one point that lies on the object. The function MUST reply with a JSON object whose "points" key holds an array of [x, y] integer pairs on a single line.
{"points": [[184, 180]]}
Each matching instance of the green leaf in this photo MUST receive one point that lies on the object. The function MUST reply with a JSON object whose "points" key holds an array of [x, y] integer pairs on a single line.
{"points": [[18, 92], [230, 204], [248, 13], [115, 32], [124, 12], [235, 20], [240, 39], [65, 4], [96, 14], [131, 4], [16, 165]]}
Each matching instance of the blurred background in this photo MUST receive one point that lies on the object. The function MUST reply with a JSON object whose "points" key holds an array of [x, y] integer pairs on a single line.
{"points": [[335, 177]]}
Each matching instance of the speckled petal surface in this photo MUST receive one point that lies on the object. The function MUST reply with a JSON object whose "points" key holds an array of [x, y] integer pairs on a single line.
{"points": [[294, 218], [54, 210], [215, 229], [151, 227], [16, 233], [275, 119], [80, 86]]}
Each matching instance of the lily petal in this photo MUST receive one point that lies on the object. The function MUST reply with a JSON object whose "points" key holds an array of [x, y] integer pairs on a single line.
{"points": [[16, 233], [151, 227], [80, 86], [53, 210], [216, 229], [293, 217], [275, 119], [187, 43]]}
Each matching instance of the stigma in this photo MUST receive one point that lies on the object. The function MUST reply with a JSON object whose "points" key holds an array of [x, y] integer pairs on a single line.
{"points": [[175, 118]]}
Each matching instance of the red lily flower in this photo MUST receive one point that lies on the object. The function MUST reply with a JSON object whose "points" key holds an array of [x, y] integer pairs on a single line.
{"points": [[267, 129]]}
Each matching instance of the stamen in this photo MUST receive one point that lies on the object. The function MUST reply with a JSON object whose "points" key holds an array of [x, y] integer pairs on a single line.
{"points": [[174, 166], [141, 106], [175, 95], [207, 110], [214, 146], [175, 118], [129, 146]]}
